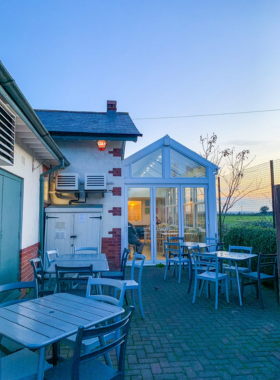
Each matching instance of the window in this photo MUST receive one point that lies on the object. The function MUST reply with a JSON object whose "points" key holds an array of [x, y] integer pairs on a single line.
{"points": [[134, 211], [149, 166], [182, 166]]}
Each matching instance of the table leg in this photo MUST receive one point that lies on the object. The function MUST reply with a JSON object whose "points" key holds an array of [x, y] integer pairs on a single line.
{"points": [[40, 371], [238, 283]]}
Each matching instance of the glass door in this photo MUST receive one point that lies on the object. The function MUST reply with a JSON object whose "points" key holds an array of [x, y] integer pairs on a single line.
{"points": [[167, 219], [139, 221], [194, 214]]}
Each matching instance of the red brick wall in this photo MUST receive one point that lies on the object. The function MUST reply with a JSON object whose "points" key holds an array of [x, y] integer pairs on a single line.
{"points": [[117, 172], [112, 248], [117, 191], [26, 271], [116, 152], [116, 211]]}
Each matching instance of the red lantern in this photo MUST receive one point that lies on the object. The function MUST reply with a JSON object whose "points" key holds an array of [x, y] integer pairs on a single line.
{"points": [[101, 144]]}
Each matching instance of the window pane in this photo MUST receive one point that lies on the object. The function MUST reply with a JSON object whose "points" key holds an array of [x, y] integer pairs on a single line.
{"points": [[149, 166], [194, 214], [182, 166]]}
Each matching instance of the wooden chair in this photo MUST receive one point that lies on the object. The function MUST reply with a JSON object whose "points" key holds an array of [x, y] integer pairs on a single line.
{"points": [[85, 250], [39, 275], [256, 278], [138, 262], [68, 275], [203, 266], [86, 367]]}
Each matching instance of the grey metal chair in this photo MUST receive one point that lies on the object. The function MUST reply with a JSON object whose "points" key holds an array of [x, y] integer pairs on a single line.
{"points": [[39, 275], [87, 367], [98, 286], [8, 346], [85, 249], [72, 275], [138, 262], [231, 268], [174, 255], [209, 262], [256, 278]]}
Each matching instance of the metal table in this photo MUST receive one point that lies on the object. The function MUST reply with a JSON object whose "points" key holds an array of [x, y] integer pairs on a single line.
{"points": [[191, 244], [82, 256], [235, 257], [43, 321], [99, 265]]}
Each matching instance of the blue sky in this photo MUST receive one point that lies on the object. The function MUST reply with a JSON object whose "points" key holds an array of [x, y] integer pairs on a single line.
{"points": [[156, 58]]}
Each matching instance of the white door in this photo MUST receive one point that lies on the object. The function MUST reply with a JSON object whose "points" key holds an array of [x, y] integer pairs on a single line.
{"points": [[87, 230], [59, 232]]}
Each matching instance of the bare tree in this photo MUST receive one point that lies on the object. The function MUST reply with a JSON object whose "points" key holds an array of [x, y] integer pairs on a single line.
{"points": [[232, 170]]}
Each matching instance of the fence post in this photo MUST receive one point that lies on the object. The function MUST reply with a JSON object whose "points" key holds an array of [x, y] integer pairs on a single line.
{"points": [[277, 220], [220, 212], [272, 190]]}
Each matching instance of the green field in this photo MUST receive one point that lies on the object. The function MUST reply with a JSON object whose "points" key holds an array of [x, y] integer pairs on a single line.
{"points": [[233, 219]]}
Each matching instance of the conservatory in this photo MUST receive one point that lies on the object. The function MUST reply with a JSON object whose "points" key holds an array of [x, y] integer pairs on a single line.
{"points": [[169, 190]]}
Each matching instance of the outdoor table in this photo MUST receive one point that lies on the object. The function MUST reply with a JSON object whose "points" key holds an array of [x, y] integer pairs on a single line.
{"points": [[43, 321], [235, 257], [82, 256], [191, 244], [97, 265]]}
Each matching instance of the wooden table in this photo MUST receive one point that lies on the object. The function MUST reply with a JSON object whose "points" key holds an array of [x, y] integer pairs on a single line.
{"points": [[43, 321], [235, 257]]}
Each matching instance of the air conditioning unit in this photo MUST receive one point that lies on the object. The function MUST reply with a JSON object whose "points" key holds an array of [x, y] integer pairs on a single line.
{"points": [[67, 181], [7, 135], [95, 181]]}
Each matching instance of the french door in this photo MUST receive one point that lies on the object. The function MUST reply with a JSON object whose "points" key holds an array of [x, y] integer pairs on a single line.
{"points": [[158, 212]]}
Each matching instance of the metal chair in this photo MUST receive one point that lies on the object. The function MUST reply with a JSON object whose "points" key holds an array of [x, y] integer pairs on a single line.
{"points": [[231, 268], [99, 285], [52, 256], [210, 240], [87, 367], [138, 262], [174, 255], [82, 249], [68, 275], [256, 278], [39, 275], [210, 262], [8, 346]]}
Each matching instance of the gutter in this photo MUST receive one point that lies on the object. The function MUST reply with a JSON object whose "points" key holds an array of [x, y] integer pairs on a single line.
{"points": [[41, 204], [11, 92]]}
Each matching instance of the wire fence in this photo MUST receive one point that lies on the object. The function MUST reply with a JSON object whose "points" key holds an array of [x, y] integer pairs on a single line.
{"points": [[255, 190]]}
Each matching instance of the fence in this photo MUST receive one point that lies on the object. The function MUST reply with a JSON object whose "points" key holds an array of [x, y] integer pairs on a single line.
{"points": [[255, 190]]}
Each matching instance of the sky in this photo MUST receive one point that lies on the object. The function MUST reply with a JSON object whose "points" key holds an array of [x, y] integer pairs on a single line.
{"points": [[157, 59]]}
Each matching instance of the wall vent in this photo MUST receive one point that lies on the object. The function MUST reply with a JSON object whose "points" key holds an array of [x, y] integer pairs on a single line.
{"points": [[7, 135], [67, 181], [95, 181]]}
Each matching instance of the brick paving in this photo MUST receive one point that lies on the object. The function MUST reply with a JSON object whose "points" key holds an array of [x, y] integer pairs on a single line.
{"points": [[179, 340]]}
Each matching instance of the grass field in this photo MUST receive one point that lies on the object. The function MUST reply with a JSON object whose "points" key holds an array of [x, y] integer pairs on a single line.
{"points": [[233, 219]]}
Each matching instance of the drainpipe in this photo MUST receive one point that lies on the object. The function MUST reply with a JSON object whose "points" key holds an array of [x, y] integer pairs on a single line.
{"points": [[60, 166]]}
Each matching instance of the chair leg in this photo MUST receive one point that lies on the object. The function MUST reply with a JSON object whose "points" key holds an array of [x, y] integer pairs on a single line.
{"points": [[166, 268], [226, 284], [242, 287], [201, 287], [190, 278], [260, 294], [125, 296], [230, 281], [207, 289], [180, 272], [133, 298], [217, 295], [195, 290], [140, 303]]}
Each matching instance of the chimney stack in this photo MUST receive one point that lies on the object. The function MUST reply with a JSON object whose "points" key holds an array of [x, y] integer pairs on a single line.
{"points": [[111, 105]]}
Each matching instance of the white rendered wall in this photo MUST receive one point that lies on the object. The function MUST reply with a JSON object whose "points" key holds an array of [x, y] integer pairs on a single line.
{"points": [[31, 189], [85, 157]]}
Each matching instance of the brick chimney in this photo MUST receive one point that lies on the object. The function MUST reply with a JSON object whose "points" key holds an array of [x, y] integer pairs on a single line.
{"points": [[111, 105]]}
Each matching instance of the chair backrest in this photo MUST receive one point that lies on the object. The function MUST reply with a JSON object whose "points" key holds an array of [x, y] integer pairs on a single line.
{"points": [[211, 240], [38, 270], [233, 248], [175, 239], [99, 284], [52, 256], [19, 286], [81, 249], [125, 254], [266, 260], [138, 262], [204, 262], [119, 341], [173, 248], [67, 274]]}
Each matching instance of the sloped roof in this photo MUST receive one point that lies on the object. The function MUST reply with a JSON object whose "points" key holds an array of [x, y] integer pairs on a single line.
{"points": [[111, 123]]}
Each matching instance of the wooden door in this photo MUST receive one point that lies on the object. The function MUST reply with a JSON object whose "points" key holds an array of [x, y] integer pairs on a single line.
{"points": [[10, 226], [87, 229]]}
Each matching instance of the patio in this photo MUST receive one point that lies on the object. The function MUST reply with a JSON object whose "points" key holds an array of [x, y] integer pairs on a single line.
{"points": [[179, 340]]}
